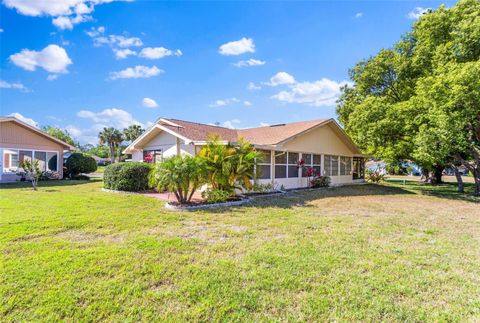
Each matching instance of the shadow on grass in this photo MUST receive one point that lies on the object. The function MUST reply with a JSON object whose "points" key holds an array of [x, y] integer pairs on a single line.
{"points": [[302, 198], [49, 183], [444, 191]]}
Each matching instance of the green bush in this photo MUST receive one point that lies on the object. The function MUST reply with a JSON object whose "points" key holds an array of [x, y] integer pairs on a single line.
{"points": [[181, 175], [216, 196], [131, 176], [79, 163], [320, 181]]}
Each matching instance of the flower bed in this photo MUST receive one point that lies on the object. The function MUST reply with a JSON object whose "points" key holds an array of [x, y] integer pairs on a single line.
{"points": [[202, 206]]}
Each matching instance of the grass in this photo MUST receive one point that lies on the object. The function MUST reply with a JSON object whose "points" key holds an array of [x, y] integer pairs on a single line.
{"points": [[363, 253]]}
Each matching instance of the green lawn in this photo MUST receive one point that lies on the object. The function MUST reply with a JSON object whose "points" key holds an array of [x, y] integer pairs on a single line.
{"points": [[365, 253]]}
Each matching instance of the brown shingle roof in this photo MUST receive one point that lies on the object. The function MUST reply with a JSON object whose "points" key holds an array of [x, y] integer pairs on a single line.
{"points": [[199, 131], [275, 134], [268, 135]]}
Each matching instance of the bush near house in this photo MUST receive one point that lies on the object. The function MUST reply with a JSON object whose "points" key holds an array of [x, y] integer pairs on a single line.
{"points": [[132, 177], [320, 181], [181, 175], [79, 163]]}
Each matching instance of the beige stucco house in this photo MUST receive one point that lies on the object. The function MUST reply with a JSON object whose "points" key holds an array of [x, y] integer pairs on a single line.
{"points": [[320, 144], [20, 141]]}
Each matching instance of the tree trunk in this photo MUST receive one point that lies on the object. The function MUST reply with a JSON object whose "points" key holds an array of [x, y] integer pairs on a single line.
{"points": [[476, 177], [459, 179], [437, 174], [112, 153]]}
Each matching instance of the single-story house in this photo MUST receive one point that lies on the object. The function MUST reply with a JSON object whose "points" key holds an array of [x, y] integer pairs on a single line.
{"points": [[20, 141], [320, 144]]}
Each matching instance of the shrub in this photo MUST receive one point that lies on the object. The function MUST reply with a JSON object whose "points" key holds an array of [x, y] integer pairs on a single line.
{"points": [[229, 167], [79, 163], [216, 196], [262, 188], [181, 175], [131, 176], [320, 181], [374, 177]]}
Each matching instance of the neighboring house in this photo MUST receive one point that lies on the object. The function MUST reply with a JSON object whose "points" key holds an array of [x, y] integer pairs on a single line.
{"points": [[101, 161], [20, 141], [321, 144]]}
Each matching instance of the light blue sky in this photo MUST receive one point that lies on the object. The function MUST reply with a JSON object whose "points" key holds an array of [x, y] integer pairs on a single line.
{"points": [[86, 66]]}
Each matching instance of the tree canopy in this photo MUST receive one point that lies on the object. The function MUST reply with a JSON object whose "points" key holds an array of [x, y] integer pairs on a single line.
{"points": [[63, 135], [420, 99]]}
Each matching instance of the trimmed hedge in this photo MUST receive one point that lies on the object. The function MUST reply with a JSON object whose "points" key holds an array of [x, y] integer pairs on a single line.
{"points": [[79, 163], [130, 176]]}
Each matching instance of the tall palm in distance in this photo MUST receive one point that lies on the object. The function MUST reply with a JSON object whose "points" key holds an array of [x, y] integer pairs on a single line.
{"points": [[111, 137], [132, 132]]}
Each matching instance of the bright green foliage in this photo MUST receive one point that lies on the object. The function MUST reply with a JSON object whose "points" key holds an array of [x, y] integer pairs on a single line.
{"points": [[111, 137], [421, 99], [132, 176], [229, 167], [182, 175], [216, 196], [99, 151], [63, 135], [132, 132], [79, 163]]}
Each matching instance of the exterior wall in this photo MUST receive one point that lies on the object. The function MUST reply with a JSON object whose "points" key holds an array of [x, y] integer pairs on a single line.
{"points": [[169, 144], [14, 136], [321, 141]]}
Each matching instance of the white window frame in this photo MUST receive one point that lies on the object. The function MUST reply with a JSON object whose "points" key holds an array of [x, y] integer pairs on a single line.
{"points": [[33, 157]]}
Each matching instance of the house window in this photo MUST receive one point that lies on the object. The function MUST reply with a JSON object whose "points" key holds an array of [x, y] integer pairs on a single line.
{"points": [[41, 158], [358, 168], [152, 156], [52, 161], [334, 166], [12, 158], [280, 164], [292, 168], [307, 159], [331, 165], [345, 165], [327, 169], [264, 164], [317, 164]]}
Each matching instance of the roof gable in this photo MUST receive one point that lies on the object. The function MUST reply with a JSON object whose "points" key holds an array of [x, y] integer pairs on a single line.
{"points": [[37, 131]]}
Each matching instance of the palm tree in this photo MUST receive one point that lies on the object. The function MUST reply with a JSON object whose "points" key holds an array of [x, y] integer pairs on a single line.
{"points": [[111, 137], [132, 132]]}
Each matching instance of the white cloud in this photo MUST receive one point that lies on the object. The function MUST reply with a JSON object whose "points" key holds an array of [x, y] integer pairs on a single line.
{"points": [[52, 77], [113, 117], [250, 62], [138, 71], [117, 41], [53, 59], [417, 13], [224, 102], [124, 53], [231, 123], [252, 86], [66, 22], [264, 124], [149, 103], [324, 92], [24, 119], [244, 45], [281, 78], [247, 103], [359, 15], [15, 86], [1, 30], [158, 52], [65, 13]]}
